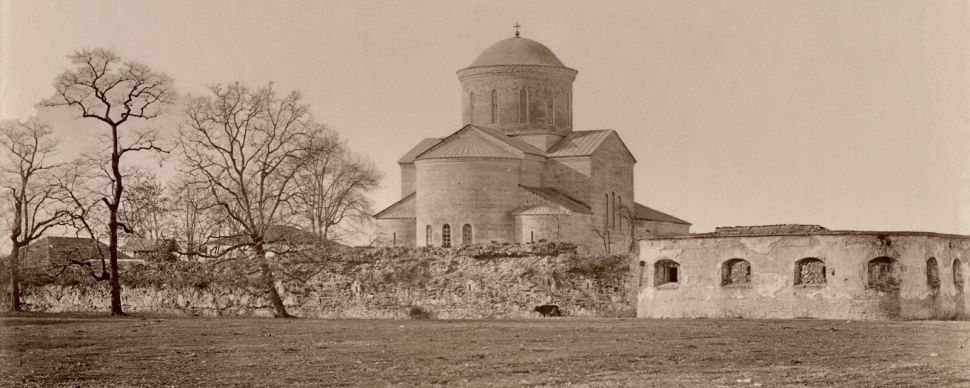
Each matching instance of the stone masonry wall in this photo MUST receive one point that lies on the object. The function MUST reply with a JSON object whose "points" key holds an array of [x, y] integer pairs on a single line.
{"points": [[446, 284], [835, 277]]}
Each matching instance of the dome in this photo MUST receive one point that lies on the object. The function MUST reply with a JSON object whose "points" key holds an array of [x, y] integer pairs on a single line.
{"points": [[517, 51]]}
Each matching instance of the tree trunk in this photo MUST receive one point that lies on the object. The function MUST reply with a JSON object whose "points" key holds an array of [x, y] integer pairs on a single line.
{"points": [[15, 277], [279, 310], [113, 229]]}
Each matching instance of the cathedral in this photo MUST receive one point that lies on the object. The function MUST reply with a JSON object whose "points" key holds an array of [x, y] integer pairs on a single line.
{"points": [[517, 172]]}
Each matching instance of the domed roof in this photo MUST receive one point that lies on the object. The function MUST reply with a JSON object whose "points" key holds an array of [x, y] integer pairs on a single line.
{"points": [[517, 51]]}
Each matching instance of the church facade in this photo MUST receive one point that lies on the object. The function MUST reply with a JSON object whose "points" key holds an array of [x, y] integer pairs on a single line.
{"points": [[517, 172]]}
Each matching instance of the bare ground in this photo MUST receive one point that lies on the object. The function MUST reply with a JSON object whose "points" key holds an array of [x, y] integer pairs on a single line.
{"points": [[91, 351]]}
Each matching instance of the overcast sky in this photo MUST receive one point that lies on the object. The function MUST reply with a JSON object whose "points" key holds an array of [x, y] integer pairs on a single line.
{"points": [[848, 114]]}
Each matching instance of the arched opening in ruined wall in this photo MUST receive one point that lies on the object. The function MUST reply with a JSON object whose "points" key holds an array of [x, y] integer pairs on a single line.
{"points": [[466, 235], [809, 271], [958, 275], [735, 271], [446, 236], [883, 273], [932, 274], [666, 271]]}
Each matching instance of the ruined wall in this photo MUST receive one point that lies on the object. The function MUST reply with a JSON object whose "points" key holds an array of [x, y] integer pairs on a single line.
{"points": [[843, 292], [446, 284]]}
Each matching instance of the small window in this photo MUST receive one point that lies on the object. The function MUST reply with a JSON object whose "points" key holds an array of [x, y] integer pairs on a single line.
{"points": [[735, 271], [552, 108], [394, 240], [494, 107], [883, 273], [427, 236], [466, 235], [810, 271], [569, 110], [471, 107], [532, 236], [958, 274], [932, 273], [666, 271], [446, 236], [523, 106]]}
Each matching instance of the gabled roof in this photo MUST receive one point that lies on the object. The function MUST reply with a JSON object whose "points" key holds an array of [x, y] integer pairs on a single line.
{"points": [[149, 245], [54, 249], [400, 209], [424, 145], [478, 142], [647, 214], [557, 198], [584, 143], [274, 234]]}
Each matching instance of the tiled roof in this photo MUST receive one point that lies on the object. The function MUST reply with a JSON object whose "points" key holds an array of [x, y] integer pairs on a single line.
{"points": [[424, 145], [583, 143], [400, 209], [469, 144], [518, 144], [559, 199], [648, 214], [274, 234]]}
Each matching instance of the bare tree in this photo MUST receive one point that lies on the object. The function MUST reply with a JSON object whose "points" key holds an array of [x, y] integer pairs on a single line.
{"points": [[103, 91], [145, 206], [247, 147], [27, 173], [629, 227], [333, 186], [195, 217]]}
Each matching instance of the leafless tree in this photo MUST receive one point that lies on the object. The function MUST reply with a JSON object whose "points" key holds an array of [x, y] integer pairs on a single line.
{"points": [[101, 90], [82, 194], [27, 176], [607, 236], [145, 206], [195, 217], [246, 148], [333, 187], [628, 226]]}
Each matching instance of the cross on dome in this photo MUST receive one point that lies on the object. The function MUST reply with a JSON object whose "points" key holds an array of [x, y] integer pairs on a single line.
{"points": [[516, 29]]}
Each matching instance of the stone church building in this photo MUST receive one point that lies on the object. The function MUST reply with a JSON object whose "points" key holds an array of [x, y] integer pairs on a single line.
{"points": [[517, 172]]}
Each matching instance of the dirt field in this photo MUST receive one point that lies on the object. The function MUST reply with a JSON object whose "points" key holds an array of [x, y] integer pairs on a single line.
{"points": [[161, 352]]}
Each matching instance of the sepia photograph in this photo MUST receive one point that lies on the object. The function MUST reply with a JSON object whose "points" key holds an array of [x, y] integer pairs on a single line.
{"points": [[337, 193]]}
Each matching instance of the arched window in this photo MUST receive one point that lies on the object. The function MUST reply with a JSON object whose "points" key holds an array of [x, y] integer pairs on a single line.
{"points": [[494, 106], [471, 107], [394, 241], [523, 106], [613, 209], [666, 271], [552, 108], [427, 236], [620, 206], [810, 271], [532, 236], [606, 213], [569, 110], [466, 235], [883, 273], [735, 271], [932, 273], [446, 236], [958, 274]]}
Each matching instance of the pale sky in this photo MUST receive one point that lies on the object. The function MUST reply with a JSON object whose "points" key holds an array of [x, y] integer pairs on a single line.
{"points": [[847, 114]]}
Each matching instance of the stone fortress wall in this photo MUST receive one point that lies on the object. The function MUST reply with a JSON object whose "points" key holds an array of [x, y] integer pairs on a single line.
{"points": [[445, 283], [822, 274]]}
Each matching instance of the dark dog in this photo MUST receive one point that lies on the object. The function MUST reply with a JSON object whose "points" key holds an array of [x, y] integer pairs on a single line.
{"points": [[548, 310]]}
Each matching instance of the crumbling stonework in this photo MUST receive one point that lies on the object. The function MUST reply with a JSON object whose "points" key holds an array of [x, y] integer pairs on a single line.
{"points": [[447, 284], [835, 284]]}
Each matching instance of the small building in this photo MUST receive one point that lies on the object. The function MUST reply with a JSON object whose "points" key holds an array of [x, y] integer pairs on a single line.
{"points": [[58, 251], [792, 271], [151, 250]]}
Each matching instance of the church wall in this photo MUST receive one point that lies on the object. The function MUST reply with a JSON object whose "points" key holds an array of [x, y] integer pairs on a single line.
{"points": [[772, 292], [612, 177], [570, 176], [554, 227], [656, 228], [530, 171], [481, 192], [407, 179], [545, 87], [397, 232]]}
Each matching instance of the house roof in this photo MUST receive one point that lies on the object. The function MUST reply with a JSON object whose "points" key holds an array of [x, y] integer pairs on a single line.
{"points": [[424, 145], [558, 198], [149, 245], [400, 209], [647, 214], [584, 143], [55, 248], [273, 234]]}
